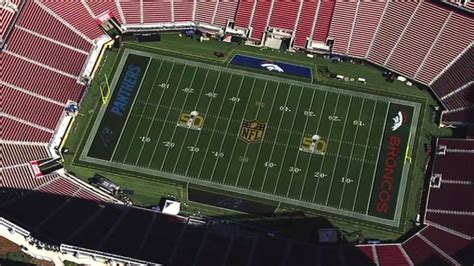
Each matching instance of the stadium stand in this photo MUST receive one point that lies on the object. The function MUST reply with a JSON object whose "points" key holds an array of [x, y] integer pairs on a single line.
{"points": [[205, 11], [15, 130], [421, 253], [53, 54], [260, 19], [306, 23], [25, 107], [458, 117], [432, 18], [435, 63], [52, 84], [156, 11], [7, 13], [369, 15], [449, 243], [50, 26], [449, 203], [74, 14], [392, 255], [397, 16], [21, 153], [342, 26], [104, 6], [132, 11], [285, 15], [183, 11], [225, 11], [323, 20], [245, 12]]}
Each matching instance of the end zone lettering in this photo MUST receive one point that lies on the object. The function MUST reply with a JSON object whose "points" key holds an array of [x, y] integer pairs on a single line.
{"points": [[389, 169], [125, 90]]}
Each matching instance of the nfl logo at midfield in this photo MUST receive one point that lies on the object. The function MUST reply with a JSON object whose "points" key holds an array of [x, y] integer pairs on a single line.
{"points": [[252, 131]]}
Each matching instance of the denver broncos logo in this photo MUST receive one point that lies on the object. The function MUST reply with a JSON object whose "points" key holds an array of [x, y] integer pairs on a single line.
{"points": [[399, 120], [272, 67]]}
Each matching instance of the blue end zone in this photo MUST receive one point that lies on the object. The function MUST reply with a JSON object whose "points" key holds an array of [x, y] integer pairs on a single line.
{"points": [[273, 66]]}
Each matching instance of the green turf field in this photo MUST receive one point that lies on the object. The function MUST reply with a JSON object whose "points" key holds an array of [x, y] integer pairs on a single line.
{"points": [[353, 176]]}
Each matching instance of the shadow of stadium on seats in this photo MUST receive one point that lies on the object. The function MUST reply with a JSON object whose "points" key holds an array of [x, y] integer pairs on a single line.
{"points": [[282, 239]]}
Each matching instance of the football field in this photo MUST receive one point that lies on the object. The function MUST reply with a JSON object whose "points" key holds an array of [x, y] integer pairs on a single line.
{"points": [[255, 135]]}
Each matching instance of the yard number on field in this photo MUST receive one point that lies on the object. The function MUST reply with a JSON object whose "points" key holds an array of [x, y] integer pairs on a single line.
{"points": [[309, 113], [320, 175], [211, 95], [169, 144], [294, 169], [358, 123], [285, 109], [218, 154], [346, 180], [145, 139], [193, 149], [234, 99], [188, 90], [164, 85], [334, 118], [270, 164]]}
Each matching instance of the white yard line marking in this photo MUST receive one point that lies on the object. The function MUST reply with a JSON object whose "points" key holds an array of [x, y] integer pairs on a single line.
{"points": [[235, 142], [156, 110], [182, 109], [329, 135], [261, 144], [131, 110], [227, 128], [288, 143], [275, 141], [338, 151], [214, 127], [140, 119], [155, 113], [377, 161], [187, 131], [363, 157], [317, 128], [247, 145], [301, 140], [352, 151], [199, 134], [167, 115]]}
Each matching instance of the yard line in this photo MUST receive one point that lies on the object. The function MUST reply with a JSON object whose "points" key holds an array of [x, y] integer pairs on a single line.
{"points": [[288, 142], [276, 137], [329, 135], [301, 140], [261, 144], [352, 151], [247, 145], [140, 119], [215, 125], [338, 151], [235, 142], [167, 115], [182, 108], [199, 134], [156, 111], [131, 109], [187, 131], [317, 129], [363, 157], [227, 127], [378, 157]]}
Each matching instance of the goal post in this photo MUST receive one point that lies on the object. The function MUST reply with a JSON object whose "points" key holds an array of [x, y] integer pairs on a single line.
{"points": [[105, 90]]}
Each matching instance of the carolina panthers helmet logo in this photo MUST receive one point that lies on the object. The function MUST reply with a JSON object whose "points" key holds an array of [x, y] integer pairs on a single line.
{"points": [[272, 67], [105, 136]]}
